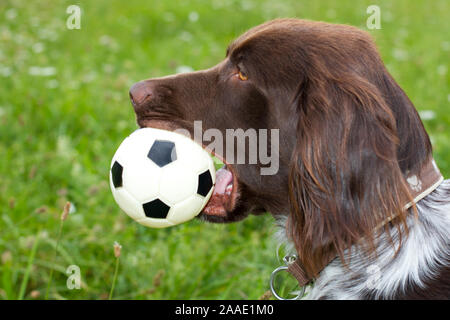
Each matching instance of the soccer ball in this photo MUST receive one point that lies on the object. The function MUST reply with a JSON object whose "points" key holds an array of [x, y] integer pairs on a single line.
{"points": [[161, 178]]}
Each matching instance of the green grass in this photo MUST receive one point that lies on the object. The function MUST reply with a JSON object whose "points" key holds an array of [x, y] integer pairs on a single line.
{"points": [[59, 132]]}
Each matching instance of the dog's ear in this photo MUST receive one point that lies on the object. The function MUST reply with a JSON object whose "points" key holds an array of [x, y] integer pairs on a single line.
{"points": [[344, 177]]}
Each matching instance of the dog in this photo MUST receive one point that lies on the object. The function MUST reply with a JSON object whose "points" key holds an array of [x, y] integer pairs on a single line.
{"points": [[357, 192]]}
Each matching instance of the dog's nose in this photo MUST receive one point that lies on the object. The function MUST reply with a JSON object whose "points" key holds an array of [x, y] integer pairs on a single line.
{"points": [[141, 93]]}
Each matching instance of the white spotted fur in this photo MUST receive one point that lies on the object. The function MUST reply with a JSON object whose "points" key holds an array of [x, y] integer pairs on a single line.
{"points": [[427, 245]]}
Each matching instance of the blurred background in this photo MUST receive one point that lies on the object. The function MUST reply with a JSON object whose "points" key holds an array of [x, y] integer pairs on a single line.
{"points": [[64, 109]]}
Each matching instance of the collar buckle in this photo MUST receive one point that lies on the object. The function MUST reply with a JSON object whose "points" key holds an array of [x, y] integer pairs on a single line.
{"points": [[288, 260]]}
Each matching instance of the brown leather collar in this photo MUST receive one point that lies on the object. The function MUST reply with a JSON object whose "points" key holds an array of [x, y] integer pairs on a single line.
{"points": [[421, 185]]}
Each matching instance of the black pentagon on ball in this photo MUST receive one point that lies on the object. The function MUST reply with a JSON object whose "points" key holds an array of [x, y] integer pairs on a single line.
{"points": [[162, 152], [116, 173], [205, 183], [156, 209]]}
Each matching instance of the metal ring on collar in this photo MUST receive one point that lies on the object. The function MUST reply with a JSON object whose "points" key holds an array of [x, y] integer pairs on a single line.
{"points": [[272, 289]]}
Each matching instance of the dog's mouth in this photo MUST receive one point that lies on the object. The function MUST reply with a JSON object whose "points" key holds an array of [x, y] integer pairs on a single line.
{"points": [[225, 193]]}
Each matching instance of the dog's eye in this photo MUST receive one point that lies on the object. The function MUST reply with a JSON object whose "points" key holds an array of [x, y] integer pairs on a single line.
{"points": [[242, 76]]}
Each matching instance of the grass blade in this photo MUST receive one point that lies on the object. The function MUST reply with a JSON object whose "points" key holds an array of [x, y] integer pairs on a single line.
{"points": [[26, 276], [117, 249]]}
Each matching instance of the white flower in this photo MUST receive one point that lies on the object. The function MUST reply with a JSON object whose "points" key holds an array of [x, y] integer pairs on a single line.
{"points": [[185, 36], [107, 68], [5, 71], [38, 47], [72, 209], [52, 84], [47, 34], [42, 71], [247, 5], [89, 77], [403, 33], [400, 54], [442, 69], [193, 16], [184, 69], [109, 42], [11, 14], [427, 114]]}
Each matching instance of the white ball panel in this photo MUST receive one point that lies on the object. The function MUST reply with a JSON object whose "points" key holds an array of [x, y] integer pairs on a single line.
{"points": [[186, 210], [139, 143], [141, 179], [155, 223], [135, 146], [128, 204], [178, 182], [193, 155]]}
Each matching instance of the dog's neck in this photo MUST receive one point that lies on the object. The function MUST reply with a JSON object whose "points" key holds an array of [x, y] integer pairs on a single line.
{"points": [[422, 256], [420, 184], [414, 272]]}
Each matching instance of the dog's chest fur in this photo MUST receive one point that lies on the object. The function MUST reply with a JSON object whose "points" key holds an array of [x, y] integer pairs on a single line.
{"points": [[420, 270]]}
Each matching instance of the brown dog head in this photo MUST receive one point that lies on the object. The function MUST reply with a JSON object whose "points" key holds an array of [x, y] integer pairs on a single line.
{"points": [[347, 132]]}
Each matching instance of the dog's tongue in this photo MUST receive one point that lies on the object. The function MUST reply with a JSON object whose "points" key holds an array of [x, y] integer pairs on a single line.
{"points": [[224, 179], [221, 193]]}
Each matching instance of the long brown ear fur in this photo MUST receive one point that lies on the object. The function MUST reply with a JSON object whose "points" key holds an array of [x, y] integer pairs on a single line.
{"points": [[345, 177]]}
